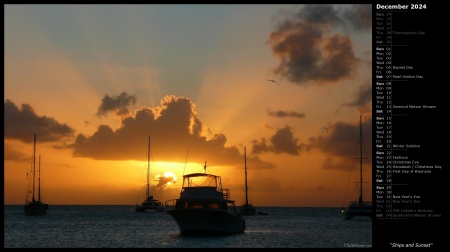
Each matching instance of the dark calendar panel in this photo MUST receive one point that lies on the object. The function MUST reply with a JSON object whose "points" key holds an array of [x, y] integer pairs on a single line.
{"points": [[409, 114]]}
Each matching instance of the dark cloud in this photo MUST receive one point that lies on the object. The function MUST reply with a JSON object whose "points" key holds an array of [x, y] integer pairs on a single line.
{"points": [[319, 14], [282, 141], [162, 181], [260, 146], [310, 51], [11, 152], [117, 104], [363, 97], [340, 141], [122, 112], [22, 123], [359, 16], [176, 133], [281, 113]]}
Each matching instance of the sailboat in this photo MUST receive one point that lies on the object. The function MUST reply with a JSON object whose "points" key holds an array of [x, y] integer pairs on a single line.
{"points": [[149, 202], [35, 207], [246, 209], [360, 207]]}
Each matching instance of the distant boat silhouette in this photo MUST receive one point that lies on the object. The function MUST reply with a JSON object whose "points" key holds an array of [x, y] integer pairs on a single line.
{"points": [[360, 207], [35, 207], [246, 209], [149, 202]]}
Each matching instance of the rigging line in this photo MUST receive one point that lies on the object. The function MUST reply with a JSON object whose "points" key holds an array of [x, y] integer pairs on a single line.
{"points": [[29, 177], [363, 143], [184, 168], [349, 177], [348, 183], [143, 172], [139, 187], [365, 149]]}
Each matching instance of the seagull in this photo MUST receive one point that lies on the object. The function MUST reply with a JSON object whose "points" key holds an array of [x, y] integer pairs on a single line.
{"points": [[273, 81]]}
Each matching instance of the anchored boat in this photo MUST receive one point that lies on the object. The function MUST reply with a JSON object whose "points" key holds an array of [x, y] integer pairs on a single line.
{"points": [[360, 207], [35, 207], [204, 207], [149, 202]]}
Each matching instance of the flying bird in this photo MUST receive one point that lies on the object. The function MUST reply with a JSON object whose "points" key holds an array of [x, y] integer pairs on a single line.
{"points": [[273, 81]]}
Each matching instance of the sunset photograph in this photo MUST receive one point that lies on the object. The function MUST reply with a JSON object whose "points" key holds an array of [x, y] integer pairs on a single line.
{"points": [[103, 103]]}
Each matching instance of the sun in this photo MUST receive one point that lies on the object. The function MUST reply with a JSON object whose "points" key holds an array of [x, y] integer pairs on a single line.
{"points": [[171, 175]]}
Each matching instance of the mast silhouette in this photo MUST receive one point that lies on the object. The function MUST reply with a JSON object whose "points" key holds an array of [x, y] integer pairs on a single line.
{"points": [[34, 166], [149, 202], [39, 179], [245, 166], [148, 170], [246, 209], [360, 161]]}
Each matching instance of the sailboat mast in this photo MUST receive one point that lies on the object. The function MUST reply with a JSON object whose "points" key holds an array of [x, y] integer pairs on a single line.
{"points": [[34, 164], [39, 179], [360, 160], [148, 169], [245, 166]]}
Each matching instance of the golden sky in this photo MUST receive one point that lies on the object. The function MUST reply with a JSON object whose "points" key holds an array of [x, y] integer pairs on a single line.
{"points": [[93, 82]]}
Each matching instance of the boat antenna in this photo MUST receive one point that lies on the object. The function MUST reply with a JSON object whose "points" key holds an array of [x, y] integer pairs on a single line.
{"points": [[204, 167]]}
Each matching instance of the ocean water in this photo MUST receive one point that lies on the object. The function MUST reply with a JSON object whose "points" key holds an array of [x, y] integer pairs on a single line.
{"points": [[121, 227]]}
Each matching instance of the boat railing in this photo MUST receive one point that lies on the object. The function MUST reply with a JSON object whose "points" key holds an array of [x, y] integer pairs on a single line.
{"points": [[228, 206], [226, 193], [232, 208], [170, 204], [359, 204]]}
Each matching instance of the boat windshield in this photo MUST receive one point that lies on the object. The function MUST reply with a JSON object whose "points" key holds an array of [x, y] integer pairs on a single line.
{"points": [[201, 180]]}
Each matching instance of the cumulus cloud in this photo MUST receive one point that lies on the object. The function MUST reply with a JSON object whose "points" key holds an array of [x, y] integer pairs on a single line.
{"points": [[310, 47], [340, 141], [359, 17], [22, 123], [282, 141], [163, 181], [362, 97], [11, 152], [117, 104], [174, 129]]}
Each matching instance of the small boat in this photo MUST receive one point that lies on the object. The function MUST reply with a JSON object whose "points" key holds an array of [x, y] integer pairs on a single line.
{"points": [[35, 207], [246, 208], [262, 213], [149, 202], [204, 207], [360, 207]]}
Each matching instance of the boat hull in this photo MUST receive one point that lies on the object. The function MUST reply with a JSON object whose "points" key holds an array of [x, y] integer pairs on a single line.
{"points": [[207, 221], [247, 209], [353, 210], [142, 208], [36, 208]]}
